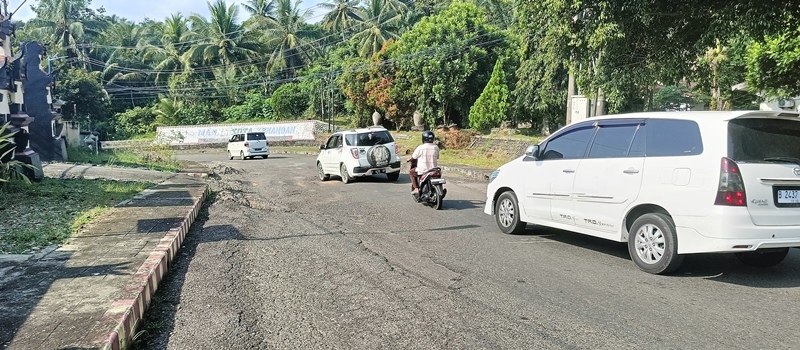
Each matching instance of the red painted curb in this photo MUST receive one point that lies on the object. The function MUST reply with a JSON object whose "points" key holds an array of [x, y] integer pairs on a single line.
{"points": [[128, 313]]}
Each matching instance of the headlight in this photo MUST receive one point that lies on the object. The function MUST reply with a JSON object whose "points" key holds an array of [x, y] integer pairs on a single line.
{"points": [[494, 175]]}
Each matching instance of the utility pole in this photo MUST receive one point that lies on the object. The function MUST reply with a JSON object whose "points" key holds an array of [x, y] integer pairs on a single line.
{"points": [[322, 99]]}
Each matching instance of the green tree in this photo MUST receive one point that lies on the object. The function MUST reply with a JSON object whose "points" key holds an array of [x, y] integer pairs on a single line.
{"points": [[444, 61], [134, 122], [83, 93], [63, 24], [342, 14], [773, 65], [492, 106], [289, 101], [166, 49], [167, 112], [288, 40], [380, 24], [256, 106]]}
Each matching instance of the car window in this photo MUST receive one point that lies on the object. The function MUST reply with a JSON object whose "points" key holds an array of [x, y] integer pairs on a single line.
{"points": [[256, 136], [373, 138], [333, 142], [612, 141], [756, 140], [638, 146], [350, 139], [235, 138], [570, 145], [670, 138]]}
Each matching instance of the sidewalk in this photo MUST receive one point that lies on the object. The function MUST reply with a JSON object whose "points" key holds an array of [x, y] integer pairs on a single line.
{"points": [[92, 292]]}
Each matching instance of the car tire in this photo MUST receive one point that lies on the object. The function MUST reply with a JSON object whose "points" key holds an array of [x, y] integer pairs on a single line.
{"points": [[653, 244], [265, 157], [379, 156], [763, 258], [506, 214], [344, 174], [393, 176], [230, 156], [321, 173]]}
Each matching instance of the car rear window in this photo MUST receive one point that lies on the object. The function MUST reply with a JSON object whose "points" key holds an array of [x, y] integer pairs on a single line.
{"points": [[254, 136], [757, 139], [369, 138]]}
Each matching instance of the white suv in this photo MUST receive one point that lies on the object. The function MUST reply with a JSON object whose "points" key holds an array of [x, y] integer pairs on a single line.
{"points": [[248, 145], [668, 184], [357, 153]]}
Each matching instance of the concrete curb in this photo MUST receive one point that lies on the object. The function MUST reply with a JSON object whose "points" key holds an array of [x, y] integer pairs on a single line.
{"points": [[125, 315]]}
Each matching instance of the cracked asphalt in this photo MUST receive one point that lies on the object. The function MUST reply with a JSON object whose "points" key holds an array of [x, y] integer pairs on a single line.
{"points": [[281, 260]]}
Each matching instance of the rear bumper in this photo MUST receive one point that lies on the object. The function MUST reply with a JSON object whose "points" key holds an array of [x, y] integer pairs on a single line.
{"points": [[367, 171], [252, 152], [731, 230]]}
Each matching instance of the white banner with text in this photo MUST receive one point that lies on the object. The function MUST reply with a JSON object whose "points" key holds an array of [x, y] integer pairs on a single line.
{"points": [[221, 133]]}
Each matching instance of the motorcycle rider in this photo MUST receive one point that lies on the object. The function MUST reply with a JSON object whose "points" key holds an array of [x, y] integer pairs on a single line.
{"points": [[427, 158]]}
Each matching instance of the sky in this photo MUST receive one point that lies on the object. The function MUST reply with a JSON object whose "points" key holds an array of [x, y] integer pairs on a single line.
{"points": [[155, 9]]}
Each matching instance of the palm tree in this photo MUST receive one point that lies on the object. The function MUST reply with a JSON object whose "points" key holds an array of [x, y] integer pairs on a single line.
{"points": [[381, 23], [167, 112], [342, 15], [226, 40], [59, 23], [167, 45], [288, 40], [116, 49], [263, 8]]}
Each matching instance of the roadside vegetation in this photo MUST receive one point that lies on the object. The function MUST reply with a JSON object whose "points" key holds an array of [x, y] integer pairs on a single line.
{"points": [[37, 215], [152, 157]]}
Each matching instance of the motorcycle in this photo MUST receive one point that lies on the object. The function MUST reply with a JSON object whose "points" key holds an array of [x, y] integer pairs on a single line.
{"points": [[431, 187]]}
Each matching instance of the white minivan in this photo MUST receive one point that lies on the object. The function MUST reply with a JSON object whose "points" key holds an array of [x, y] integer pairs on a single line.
{"points": [[248, 145], [667, 183]]}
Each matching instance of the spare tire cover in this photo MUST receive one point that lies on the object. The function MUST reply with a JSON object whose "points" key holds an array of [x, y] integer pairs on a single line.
{"points": [[379, 156]]}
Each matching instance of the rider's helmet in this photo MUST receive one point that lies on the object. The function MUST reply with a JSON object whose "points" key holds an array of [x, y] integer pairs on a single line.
{"points": [[427, 136]]}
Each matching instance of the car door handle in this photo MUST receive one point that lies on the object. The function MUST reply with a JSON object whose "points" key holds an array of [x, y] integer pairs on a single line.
{"points": [[569, 171], [631, 171]]}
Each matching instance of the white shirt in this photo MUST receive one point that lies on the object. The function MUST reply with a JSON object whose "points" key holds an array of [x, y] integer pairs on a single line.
{"points": [[427, 156]]}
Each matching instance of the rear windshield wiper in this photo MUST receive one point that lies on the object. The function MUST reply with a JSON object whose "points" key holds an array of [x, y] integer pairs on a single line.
{"points": [[783, 159]]}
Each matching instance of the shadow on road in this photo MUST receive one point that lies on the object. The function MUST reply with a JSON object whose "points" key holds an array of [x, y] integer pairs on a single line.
{"points": [[723, 268], [159, 320]]}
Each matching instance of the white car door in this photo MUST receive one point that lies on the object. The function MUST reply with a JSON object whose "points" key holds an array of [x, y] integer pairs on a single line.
{"points": [[331, 154], [610, 177], [549, 184]]}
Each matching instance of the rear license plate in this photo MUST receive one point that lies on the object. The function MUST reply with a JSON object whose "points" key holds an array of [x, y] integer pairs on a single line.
{"points": [[787, 196], [258, 149]]}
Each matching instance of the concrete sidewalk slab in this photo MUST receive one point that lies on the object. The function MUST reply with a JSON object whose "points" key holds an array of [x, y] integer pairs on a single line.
{"points": [[93, 172], [92, 292]]}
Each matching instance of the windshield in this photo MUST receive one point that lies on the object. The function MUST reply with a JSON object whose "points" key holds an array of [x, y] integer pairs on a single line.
{"points": [[763, 140], [369, 138]]}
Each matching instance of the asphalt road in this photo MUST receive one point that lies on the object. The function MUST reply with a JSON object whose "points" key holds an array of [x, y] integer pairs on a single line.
{"points": [[283, 260]]}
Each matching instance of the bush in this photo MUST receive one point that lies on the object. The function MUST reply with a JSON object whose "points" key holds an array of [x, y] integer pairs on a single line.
{"points": [[455, 139], [134, 122], [289, 101], [255, 107]]}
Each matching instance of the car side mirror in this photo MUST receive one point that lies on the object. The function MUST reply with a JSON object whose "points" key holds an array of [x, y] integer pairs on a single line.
{"points": [[532, 151], [322, 147]]}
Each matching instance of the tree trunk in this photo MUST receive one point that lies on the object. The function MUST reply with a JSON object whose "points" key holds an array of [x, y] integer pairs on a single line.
{"points": [[601, 103], [570, 93]]}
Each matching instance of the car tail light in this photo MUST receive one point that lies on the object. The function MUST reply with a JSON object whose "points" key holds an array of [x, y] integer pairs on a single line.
{"points": [[731, 185], [247, 144], [436, 174], [354, 152]]}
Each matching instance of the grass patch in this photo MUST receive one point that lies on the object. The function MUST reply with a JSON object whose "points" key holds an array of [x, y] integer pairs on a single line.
{"points": [[153, 157], [48, 212]]}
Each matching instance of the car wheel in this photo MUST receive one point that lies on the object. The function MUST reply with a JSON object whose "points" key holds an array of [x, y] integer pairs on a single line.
{"points": [[393, 176], [230, 156], [241, 155], [265, 157], [321, 173], [653, 244], [763, 257], [506, 213], [344, 174]]}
